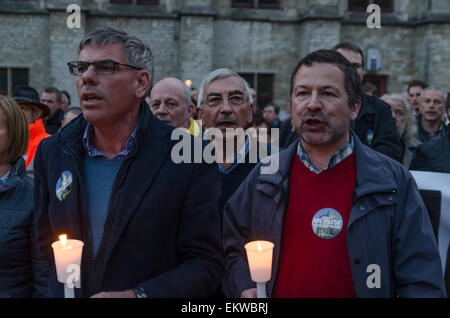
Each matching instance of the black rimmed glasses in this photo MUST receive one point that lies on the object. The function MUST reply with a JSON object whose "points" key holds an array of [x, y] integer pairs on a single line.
{"points": [[104, 67]]}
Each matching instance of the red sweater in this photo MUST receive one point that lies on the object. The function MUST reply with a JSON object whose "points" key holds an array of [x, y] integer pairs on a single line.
{"points": [[313, 266], [37, 133]]}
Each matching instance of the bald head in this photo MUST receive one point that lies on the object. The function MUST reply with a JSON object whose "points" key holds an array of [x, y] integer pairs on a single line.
{"points": [[170, 102]]}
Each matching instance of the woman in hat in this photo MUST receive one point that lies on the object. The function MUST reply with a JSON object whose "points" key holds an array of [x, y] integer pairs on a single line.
{"points": [[22, 273]]}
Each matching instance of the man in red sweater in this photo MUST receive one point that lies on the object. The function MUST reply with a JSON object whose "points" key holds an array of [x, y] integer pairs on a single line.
{"points": [[28, 99], [345, 220]]}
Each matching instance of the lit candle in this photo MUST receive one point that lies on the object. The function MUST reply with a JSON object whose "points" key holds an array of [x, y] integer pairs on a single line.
{"points": [[188, 83], [67, 260], [259, 255]]}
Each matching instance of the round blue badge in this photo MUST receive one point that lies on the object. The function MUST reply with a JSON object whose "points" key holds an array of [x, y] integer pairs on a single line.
{"points": [[327, 223], [64, 185]]}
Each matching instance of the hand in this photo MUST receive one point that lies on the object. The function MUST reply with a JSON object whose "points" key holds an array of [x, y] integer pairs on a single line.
{"points": [[249, 293], [122, 294]]}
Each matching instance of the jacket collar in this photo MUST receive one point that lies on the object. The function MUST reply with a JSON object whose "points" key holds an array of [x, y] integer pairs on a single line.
{"points": [[371, 172], [16, 174], [285, 160], [70, 137]]}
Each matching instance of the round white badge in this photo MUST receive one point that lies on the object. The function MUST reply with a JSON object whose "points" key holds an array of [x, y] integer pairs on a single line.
{"points": [[327, 223], [64, 185]]}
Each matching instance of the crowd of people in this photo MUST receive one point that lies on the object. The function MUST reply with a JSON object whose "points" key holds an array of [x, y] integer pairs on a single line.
{"points": [[340, 200]]}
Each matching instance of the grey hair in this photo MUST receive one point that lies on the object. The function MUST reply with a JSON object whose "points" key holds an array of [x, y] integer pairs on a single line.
{"points": [[219, 74], [136, 51], [409, 135], [433, 88]]}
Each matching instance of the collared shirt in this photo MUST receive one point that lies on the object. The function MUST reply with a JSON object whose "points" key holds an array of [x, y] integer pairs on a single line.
{"points": [[239, 157], [4, 179], [337, 157], [94, 152]]}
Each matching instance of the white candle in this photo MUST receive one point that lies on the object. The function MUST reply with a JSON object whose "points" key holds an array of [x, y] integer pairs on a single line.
{"points": [[67, 260], [259, 256]]}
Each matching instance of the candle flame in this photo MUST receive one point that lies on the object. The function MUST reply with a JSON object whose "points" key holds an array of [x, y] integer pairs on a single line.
{"points": [[188, 83], [259, 246], [63, 239]]}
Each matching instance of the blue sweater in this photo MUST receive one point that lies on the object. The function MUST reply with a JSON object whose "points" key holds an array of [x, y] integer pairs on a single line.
{"points": [[99, 176]]}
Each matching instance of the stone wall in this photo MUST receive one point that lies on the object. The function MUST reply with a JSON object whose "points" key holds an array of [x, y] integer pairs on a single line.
{"points": [[191, 38]]}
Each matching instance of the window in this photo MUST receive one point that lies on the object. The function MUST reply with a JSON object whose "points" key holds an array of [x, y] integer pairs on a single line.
{"points": [[263, 86], [12, 77], [148, 2], [361, 5], [257, 4]]}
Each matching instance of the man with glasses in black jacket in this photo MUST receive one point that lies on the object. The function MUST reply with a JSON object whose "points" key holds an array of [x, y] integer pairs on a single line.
{"points": [[150, 226]]}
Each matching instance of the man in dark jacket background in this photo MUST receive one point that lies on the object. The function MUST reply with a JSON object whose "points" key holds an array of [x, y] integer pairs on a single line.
{"points": [[434, 155], [430, 124], [374, 125], [150, 226]]}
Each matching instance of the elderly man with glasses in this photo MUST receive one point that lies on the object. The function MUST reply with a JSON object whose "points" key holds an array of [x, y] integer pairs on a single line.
{"points": [[226, 105], [107, 179]]}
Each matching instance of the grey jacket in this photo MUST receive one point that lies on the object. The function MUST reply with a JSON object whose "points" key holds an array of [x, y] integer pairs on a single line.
{"points": [[388, 226]]}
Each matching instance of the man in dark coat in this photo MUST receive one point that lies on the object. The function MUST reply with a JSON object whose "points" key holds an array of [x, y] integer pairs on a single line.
{"points": [[150, 227], [52, 97], [374, 125], [433, 155]]}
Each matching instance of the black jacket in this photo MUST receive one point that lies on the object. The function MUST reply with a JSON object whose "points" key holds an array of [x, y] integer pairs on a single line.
{"points": [[162, 231], [53, 123], [376, 127], [424, 136], [22, 272], [433, 155]]}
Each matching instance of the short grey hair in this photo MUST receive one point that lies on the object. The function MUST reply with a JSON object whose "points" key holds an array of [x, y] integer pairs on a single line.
{"points": [[136, 51], [433, 88], [219, 74]]}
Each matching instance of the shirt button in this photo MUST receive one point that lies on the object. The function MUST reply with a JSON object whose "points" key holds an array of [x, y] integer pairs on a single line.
{"points": [[362, 207], [357, 261], [390, 197]]}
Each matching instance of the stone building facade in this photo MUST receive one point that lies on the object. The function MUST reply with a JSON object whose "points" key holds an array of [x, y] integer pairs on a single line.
{"points": [[190, 38]]}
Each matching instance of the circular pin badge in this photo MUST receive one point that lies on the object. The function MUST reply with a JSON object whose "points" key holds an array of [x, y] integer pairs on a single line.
{"points": [[64, 185], [327, 223]]}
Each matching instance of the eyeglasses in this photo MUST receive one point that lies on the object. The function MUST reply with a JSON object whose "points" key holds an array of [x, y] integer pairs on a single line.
{"points": [[233, 100], [104, 67]]}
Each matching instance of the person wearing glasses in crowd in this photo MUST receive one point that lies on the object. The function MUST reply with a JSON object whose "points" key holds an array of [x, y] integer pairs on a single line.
{"points": [[226, 105], [23, 273], [150, 227]]}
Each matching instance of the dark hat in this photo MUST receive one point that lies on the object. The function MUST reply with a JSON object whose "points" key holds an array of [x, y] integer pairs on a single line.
{"points": [[28, 95]]}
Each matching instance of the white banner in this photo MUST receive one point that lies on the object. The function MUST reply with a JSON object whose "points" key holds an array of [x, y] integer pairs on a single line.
{"points": [[438, 182]]}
